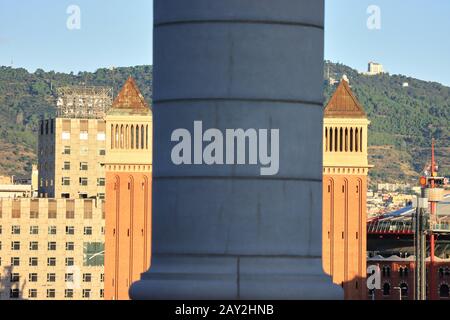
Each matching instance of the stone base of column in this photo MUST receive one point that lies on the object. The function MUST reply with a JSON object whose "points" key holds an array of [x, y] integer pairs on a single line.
{"points": [[180, 277]]}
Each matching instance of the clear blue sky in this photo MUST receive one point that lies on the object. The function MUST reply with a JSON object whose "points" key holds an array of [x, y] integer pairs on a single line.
{"points": [[413, 39]]}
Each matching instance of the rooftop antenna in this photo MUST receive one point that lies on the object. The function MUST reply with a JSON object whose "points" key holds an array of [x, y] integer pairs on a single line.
{"points": [[112, 68]]}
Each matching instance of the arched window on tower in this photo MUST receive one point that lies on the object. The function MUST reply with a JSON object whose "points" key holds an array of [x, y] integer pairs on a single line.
{"points": [[331, 139], [356, 140], [127, 137], [132, 137], [326, 139], [341, 142], [336, 140], [346, 139], [137, 137], [361, 140], [142, 137], [116, 143], [112, 136], [146, 137], [122, 137], [351, 139]]}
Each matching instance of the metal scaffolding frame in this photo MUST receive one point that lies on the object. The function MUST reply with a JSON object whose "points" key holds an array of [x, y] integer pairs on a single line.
{"points": [[83, 102]]}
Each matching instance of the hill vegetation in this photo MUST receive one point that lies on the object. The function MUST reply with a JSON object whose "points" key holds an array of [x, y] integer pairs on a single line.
{"points": [[403, 118], [26, 97]]}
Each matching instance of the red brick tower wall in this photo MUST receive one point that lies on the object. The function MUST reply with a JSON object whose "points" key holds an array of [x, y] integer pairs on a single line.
{"points": [[128, 231], [344, 232]]}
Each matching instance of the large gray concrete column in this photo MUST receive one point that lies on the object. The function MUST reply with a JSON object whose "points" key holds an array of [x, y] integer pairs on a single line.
{"points": [[226, 232]]}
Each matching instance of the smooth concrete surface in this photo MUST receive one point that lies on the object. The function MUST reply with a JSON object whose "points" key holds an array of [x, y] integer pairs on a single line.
{"points": [[225, 231]]}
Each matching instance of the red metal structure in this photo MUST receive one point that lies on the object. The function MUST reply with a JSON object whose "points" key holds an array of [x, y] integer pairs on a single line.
{"points": [[397, 227]]}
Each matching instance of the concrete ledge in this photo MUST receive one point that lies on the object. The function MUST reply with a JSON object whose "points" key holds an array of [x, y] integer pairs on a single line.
{"points": [[244, 65], [295, 11], [239, 277]]}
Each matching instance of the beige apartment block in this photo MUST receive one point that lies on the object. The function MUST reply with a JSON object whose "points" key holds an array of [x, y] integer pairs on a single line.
{"points": [[15, 191], [51, 249], [70, 155]]}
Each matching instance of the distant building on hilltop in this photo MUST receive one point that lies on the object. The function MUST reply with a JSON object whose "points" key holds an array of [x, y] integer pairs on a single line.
{"points": [[374, 68]]}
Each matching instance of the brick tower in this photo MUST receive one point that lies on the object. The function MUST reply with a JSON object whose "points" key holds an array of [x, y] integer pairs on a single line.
{"points": [[128, 191], [344, 191]]}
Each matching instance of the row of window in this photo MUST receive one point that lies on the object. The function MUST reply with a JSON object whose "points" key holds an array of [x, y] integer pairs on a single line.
{"points": [[84, 136], [81, 195], [34, 246], [84, 150], [387, 290], [83, 181], [16, 210], [34, 262], [404, 272], [343, 139], [51, 293], [34, 230], [84, 166], [444, 291], [47, 126], [51, 277], [67, 151], [130, 137]]}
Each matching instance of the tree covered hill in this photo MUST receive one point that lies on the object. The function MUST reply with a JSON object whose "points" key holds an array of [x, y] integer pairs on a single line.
{"points": [[403, 118], [26, 97]]}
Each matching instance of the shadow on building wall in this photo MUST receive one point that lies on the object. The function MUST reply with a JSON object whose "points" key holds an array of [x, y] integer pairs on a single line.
{"points": [[11, 285]]}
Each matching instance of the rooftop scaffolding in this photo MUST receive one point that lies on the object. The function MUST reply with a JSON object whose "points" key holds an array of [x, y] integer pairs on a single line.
{"points": [[83, 102]]}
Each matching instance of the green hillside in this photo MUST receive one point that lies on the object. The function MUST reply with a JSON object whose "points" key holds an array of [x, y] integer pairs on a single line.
{"points": [[26, 97], [403, 119]]}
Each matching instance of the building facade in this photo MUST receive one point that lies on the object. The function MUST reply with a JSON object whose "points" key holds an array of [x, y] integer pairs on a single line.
{"points": [[15, 191], [128, 191], [72, 146], [70, 152], [344, 191], [51, 249], [397, 278]]}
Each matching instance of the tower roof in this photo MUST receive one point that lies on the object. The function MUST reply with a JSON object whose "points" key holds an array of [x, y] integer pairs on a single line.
{"points": [[343, 104], [130, 99]]}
